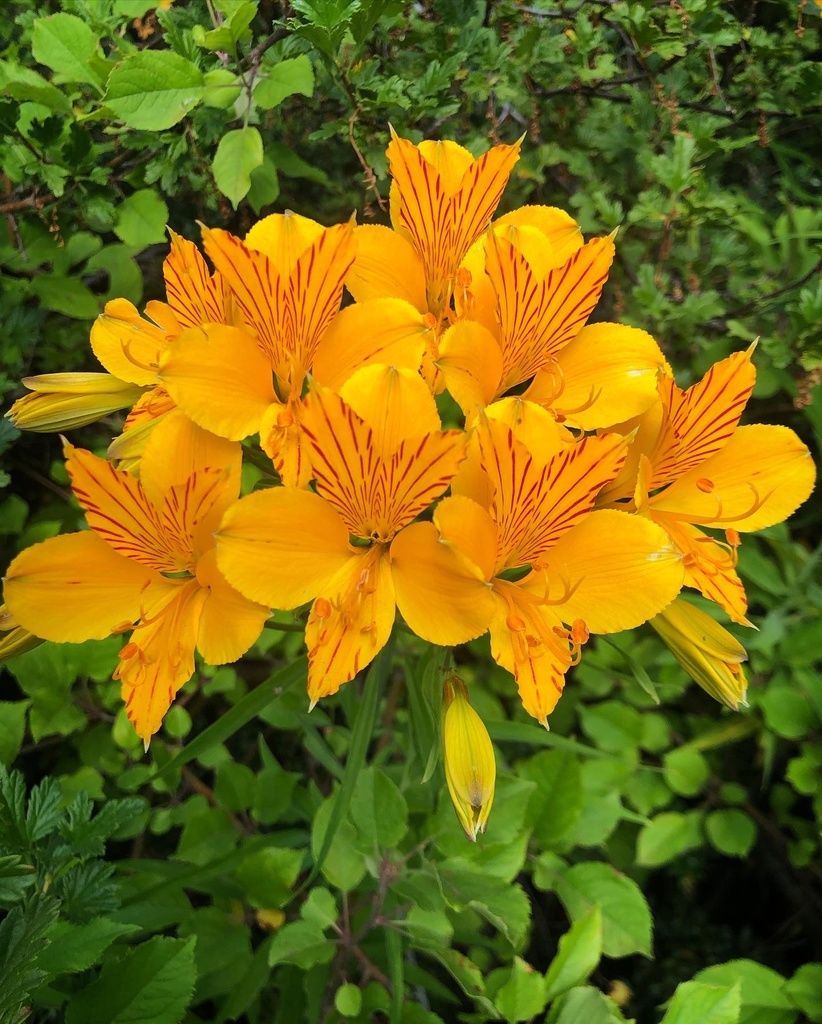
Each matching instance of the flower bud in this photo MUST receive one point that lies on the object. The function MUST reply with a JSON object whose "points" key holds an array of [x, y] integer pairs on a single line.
{"points": [[470, 769], [62, 401], [14, 640], [708, 653]]}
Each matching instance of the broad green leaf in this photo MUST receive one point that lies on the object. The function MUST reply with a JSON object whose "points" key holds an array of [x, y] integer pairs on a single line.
{"points": [[348, 1000], [222, 88], [232, 31], [686, 771], [76, 947], [142, 219], [12, 728], [522, 995], [379, 811], [694, 1003], [578, 954], [465, 972], [805, 991], [66, 295], [67, 45], [503, 904], [290, 76], [26, 84], [302, 944], [341, 862], [586, 1006], [613, 726], [731, 831], [320, 908], [667, 836], [626, 919], [152, 984], [788, 712], [235, 785], [764, 1000], [556, 804], [240, 151], [154, 89], [265, 185], [267, 876]]}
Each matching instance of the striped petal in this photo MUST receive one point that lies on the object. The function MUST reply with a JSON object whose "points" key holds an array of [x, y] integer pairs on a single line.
{"points": [[539, 315], [395, 403], [553, 225], [283, 237], [702, 419], [74, 588], [350, 622], [528, 640], [220, 378], [470, 362], [609, 554], [193, 294], [759, 478], [281, 546]]}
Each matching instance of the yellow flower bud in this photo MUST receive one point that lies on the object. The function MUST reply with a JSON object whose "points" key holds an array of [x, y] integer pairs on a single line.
{"points": [[61, 401], [14, 640], [708, 653], [470, 769]]}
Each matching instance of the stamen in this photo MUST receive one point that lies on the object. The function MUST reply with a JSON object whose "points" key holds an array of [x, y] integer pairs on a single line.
{"points": [[150, 367]]}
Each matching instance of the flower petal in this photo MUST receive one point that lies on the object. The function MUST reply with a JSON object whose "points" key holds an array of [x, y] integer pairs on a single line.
{"points": [[612, 553], [350, 622], [65, 401], [386, 267], [553, 224], [606, 375], [126, 344], [193, 294], [442, 595], [388, 331], [527, 640], [395, 403], [74, 588], [283, 238], [470, 362], [281, 546], [760, 477], [220, 378], [229, 623]]}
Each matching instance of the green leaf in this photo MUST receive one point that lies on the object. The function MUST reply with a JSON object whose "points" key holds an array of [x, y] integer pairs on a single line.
{"points": [[267, 876], [22, 942], [379, 811], [731, 831], [348, 1000], [788, 712], [320, 908], [240, 151], [556, 804], [342, 863], [67, 45], [66, 295], [762, 990], [686, 771], [587, 1006], [12, 728], [465, 972], [522, 996], [142, 219], [667, 836], [694, 1003], [626, 919], [76, 947], [25, 84], [154, 89], [503, 904], [302, 944], [578, 954], [151, 984], [612, 726], [232, 31], [265, 185], [261, 697], [805, 991], [290, 76]]}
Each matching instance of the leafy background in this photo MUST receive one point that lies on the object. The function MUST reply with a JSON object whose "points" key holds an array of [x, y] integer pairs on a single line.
{"points": [[652, 858]]}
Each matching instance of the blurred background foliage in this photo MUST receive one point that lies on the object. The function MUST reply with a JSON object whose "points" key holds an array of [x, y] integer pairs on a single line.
{"points": [[654, 857]]}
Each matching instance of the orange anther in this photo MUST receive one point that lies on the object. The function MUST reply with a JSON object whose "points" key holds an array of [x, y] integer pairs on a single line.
{"points": [[464, 277], [733, 538], [322, 608], [515, 623]]}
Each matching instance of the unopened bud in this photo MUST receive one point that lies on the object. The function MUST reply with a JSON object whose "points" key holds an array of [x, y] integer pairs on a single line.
{"points": [[470, 769], [62, 401]]}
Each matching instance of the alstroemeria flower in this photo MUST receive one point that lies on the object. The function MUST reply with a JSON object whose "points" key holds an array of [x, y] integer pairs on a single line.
{"points": [[442, 200], [146, 566], [526, 293], [380, 458], [695, 467], [549, 567], [63, 401]]}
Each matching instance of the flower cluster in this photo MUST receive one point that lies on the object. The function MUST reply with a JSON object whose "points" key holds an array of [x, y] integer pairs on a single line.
{"points": [[457, 444]]}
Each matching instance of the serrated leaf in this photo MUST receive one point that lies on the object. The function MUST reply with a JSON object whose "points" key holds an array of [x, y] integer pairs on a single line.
{"points": [[154, 89], [12, 728], [240, 151], [290, 76], [626, 919], [76, 947], [502, 904], [762, 991], [300, 943], [731, 831], [578, 954], [522, 996], [66, 295], [67, 45], [22, 941], [667, 836], [379, 811], [586, 1005], [151, 984]]}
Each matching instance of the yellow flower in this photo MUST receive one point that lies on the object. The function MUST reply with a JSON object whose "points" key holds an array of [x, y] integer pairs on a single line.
{"points": [[379, 458], [708, 653], [470, 769], [146, 566], [63, 401]]}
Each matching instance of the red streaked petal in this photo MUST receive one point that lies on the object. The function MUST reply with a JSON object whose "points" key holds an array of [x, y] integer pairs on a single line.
{"points": [[229, 622], [193, 294]]}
